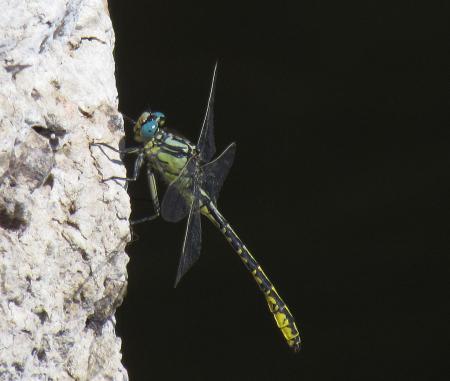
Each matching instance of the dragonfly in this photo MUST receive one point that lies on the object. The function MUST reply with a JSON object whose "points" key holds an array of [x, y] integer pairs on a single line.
{"points": [[194, 180]]}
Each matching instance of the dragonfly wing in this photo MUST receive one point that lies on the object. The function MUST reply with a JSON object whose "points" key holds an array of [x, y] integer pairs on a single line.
{"points": [[206, 142], [174, 206], [215, 172], [192, 239]]}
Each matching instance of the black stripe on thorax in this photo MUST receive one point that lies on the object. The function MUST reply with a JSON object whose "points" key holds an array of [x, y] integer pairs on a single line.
{"points": [[179, 139], [174, 151], [183, 142]]}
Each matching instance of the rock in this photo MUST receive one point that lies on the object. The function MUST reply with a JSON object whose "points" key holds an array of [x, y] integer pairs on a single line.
{"points": [[62, 231]]}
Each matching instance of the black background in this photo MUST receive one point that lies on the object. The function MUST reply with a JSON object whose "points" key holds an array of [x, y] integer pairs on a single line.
{"points": [[340, 188]]}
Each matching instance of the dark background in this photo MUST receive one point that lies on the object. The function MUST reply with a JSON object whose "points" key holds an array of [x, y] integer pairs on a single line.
{"points": [[340, 188]]}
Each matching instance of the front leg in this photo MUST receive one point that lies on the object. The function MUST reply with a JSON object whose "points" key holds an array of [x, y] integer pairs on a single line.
{"points": [[125, 151], [137, 169]]}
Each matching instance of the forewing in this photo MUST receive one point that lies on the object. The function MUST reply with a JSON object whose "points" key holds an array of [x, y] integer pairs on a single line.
{"points": [[192, 238], [174, 206], [206, 143], [215, 172]]}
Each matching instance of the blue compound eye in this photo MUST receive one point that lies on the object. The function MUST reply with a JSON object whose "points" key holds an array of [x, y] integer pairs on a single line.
{"points": [[149, 128]]}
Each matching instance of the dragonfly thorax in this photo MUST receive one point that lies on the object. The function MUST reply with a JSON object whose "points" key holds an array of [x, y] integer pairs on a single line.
{"points": [[168, 153]]}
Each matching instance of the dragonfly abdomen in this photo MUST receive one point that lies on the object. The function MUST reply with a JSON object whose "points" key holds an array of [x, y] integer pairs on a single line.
{"points": [[283, 317]]}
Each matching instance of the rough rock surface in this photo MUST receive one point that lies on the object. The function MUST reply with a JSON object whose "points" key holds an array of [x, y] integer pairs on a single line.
{"points": [[62, 231]]}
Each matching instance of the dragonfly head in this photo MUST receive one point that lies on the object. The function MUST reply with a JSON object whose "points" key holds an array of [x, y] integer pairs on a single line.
{"points": [[147, 125]]}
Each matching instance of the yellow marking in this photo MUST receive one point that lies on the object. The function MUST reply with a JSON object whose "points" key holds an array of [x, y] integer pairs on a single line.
{"points": [[173, 162], [239, 251], [289, 334], [273, 306], [281, 320], [149, 145]]}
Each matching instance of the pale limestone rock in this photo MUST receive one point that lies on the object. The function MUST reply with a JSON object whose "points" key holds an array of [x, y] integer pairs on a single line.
{"points": [[62, 231]]}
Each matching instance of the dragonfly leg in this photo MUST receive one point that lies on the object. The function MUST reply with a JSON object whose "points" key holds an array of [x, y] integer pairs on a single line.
{"points": [[137, 169], [154, 195], [125, 151]]}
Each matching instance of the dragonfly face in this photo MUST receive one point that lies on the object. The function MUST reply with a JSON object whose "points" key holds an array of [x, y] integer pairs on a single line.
{"points": [[147, 125]]}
